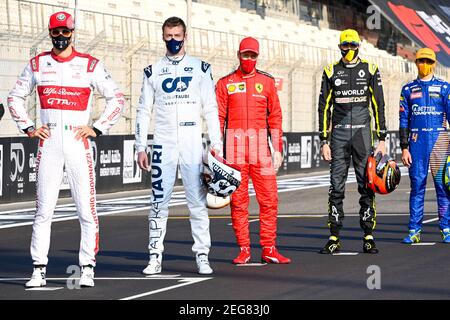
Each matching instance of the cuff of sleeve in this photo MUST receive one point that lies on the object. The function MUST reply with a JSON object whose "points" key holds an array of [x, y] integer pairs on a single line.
{"points": [[404, 146], [29, 131], [140, 149], [382, 135], [217, 145], [97, 132]]}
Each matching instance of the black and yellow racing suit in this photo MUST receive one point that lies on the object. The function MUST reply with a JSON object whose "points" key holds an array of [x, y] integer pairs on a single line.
{"points": [[347, 92]]}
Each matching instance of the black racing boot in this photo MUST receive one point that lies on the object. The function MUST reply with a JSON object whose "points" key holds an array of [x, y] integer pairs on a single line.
{"points": [[369, 245], [333, 246]]}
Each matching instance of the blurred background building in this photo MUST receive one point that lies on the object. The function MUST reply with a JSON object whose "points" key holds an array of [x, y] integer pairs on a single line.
{"points": [[297, 37]]}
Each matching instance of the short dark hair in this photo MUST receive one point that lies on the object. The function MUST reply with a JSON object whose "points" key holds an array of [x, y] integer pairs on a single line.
{"points": [[174, 22]]}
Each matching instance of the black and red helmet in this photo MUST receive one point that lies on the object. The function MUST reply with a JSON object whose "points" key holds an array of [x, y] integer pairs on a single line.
{"points": [[382, 173]]}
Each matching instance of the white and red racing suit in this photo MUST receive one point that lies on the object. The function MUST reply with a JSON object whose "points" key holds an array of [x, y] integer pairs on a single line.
{"points": [[250, 114], [65, 87]]}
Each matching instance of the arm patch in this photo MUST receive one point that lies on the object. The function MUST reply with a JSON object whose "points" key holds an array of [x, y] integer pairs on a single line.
{"points": [[92, 63], [329, 70], [205, 66], [148, 71]]}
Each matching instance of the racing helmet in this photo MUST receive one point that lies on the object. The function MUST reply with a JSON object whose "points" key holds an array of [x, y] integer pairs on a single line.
{"points": [[2, 110], [220, 179], [214, 202], [447, 173], [382, 173]]}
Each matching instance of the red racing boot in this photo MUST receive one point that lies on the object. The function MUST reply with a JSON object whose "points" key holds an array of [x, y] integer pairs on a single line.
{"points": [[243, 257], [271, 255]]}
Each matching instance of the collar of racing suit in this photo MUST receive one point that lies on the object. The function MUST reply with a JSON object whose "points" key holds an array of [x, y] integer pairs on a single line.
{"points": [[66, 59], [426, 81], [350, 65], [175, 59], [245, 75]]}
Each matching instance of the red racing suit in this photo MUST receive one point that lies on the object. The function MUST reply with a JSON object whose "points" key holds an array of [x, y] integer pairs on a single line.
{"points": [[65, 87], [250, 114]]}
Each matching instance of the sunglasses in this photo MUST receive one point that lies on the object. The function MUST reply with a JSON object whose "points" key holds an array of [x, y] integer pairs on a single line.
{"points": [[424, 60], [351, 45], [56, 32], [249, 55]]}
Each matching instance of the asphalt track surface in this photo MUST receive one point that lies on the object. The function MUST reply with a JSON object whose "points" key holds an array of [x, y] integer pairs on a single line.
{"points": [[406, 272]]}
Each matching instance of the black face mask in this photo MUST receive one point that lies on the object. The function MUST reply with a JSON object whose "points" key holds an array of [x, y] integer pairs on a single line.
{"points": [[60, 42], [349, 54]]}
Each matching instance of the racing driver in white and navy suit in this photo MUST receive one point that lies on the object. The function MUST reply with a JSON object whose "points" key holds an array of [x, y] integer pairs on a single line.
{"points": [[180, 90]]}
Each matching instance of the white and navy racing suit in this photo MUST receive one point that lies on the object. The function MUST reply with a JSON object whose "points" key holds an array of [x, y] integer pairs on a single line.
{"points": [[65, 87], [181, 93]]}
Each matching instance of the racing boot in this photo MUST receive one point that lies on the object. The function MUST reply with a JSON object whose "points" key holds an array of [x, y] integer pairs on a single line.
{"points": [[369, 245], [243, 257], [333, 246], [87, 276], [203, 266], [271, 255], [154, 264], [445, 235], [413, 237], [37, 278]]}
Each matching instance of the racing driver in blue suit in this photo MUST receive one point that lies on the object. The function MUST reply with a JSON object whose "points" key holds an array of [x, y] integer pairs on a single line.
{"points": [[424, 112]]}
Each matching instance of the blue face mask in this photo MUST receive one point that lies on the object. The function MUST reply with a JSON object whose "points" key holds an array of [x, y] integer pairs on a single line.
{"points": [[174, 46]]}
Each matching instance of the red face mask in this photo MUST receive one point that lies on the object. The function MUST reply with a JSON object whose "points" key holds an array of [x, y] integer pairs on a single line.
{"points": [[248, 65]]}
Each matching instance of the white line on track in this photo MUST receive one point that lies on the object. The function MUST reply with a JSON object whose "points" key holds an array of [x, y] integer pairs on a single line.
{"points": [[249, 221], [177, 200], [161, 277], [184, 282], [424, 244], [325, 215], [165, 276], [345, 254], [431, 220], [44, 289], [253, 264]]}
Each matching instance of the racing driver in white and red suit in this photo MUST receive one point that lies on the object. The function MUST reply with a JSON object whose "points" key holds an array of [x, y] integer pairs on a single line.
{"points": [[65, 81]]}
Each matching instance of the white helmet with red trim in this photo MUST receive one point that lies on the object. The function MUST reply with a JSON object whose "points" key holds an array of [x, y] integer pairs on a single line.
{"points": [[221, 180]]}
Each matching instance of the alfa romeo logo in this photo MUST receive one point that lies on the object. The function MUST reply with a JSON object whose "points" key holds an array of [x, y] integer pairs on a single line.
{"points": [[61, 17]]}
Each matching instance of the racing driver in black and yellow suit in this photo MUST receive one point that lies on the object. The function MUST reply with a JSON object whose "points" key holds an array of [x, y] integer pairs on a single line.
{"points": [[351, 91]]}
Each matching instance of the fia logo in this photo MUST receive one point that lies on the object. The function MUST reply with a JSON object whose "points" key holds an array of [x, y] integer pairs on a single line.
{"points": [[180, 84]]}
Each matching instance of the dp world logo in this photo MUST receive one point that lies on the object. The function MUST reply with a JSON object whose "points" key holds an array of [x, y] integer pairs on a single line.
{"points": [[178, 84]]}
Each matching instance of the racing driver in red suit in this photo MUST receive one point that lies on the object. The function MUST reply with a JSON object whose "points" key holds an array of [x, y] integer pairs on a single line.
{"points": [[250, 114], [65, 81]]}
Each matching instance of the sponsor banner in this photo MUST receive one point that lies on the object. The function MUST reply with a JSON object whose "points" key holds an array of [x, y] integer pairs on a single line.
{"points": [[116, 168], [301, 153], [131, 172], [1, 170], [279, 83], [426, 22]]}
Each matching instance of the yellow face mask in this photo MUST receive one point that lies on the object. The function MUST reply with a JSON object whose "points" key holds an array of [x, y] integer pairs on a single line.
{"points": [[425, 69]]}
